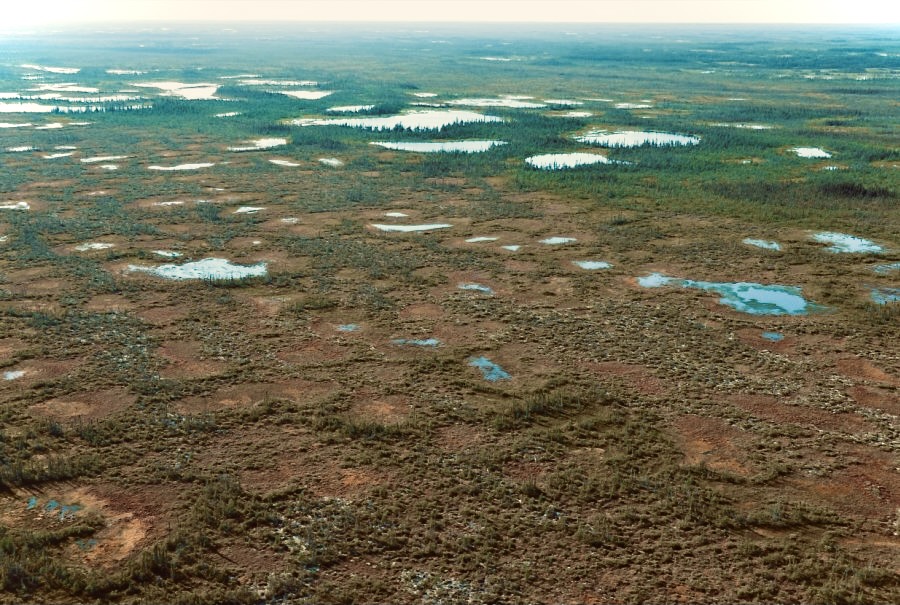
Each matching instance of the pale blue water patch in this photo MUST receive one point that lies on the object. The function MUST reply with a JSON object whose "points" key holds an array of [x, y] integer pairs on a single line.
{"points": [[51, 505], [761, 243], [425, 342], [883, 296], [746, 297], [592, 265], [86, 544], [843, 243], [887, 268], [32, 503], [655, 280], [68, 510], [490, 370], [348, 327], [773, 336], [476, 288]]}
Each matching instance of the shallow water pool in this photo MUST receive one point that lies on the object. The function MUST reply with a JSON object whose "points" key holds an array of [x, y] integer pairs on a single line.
{"points": [[411, 228], [843, 243], [592, 265], [883, 296], [810, 152], [475, 288], [490, 370], [746, 297], [761, 243], [424, 342]]}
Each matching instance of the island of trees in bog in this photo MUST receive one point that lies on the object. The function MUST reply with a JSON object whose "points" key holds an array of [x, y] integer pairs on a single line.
{"points": [[422, 314]]}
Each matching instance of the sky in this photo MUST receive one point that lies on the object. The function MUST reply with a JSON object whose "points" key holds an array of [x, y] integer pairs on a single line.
{"points": [[31, 13]]}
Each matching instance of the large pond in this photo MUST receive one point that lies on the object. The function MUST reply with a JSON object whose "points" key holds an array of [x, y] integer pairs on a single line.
{"points": [[557, 161], [442, 146], [208, 268], [752, 298], [636, 138], [414, 120]]}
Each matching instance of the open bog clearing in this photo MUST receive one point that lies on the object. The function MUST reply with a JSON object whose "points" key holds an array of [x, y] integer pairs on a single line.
{"points": [[444, 313]]}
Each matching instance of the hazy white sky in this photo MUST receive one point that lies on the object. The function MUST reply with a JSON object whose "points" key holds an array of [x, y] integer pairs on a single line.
{"points": [[17, 13]]}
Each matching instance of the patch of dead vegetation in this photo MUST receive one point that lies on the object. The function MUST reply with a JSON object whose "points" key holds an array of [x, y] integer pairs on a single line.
{"points": [[89, 405], [770, 408], [254, 393], [187, 360], [712, 443]]}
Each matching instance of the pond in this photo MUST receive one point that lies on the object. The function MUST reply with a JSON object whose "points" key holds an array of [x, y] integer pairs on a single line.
{"points": [[475, 288], [810, 152], [260, 144], [591, 265], [350, 108], [557, 161], [208, 268], [511, 102], [183, 166], [442, 146], [424, 342], [886, 268], [843, 243], [883, 296], [490, 370], [636, 138], [411, 228], [746, 297], [414, 120], [761, 243]]}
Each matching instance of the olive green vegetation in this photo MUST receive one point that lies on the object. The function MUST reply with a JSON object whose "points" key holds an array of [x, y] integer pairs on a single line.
{"points": [[569, 484]]}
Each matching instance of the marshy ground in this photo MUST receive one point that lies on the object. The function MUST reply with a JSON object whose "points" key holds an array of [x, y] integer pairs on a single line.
{"points": [[250, 356]]}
